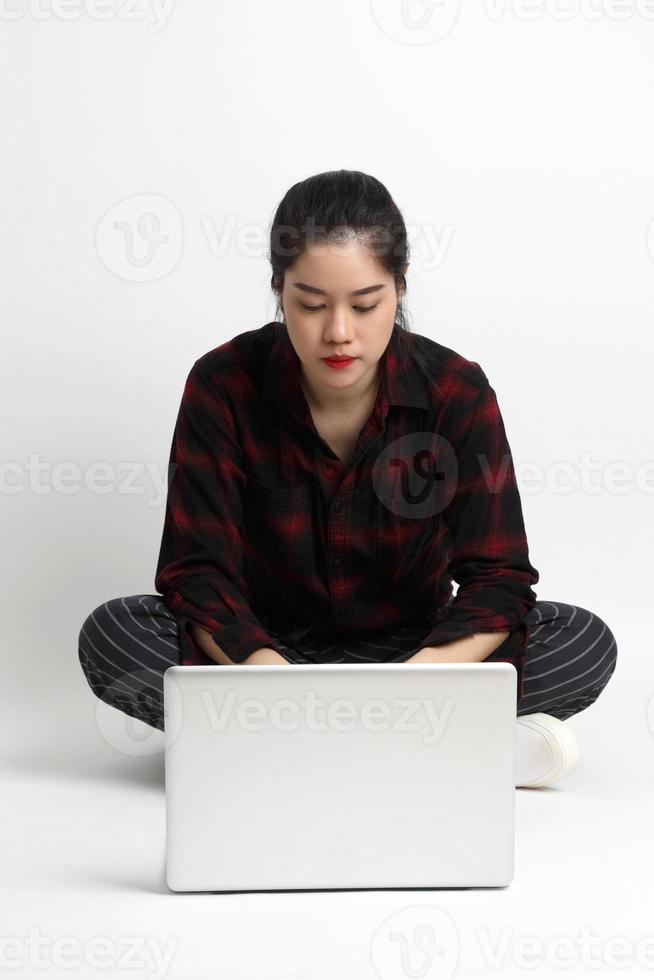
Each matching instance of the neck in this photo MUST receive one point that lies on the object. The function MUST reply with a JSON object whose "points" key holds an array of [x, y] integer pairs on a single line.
{"points": [[342, 404]]}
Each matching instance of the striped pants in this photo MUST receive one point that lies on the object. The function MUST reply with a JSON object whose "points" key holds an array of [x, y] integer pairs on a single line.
{"points": [[127, 643]]}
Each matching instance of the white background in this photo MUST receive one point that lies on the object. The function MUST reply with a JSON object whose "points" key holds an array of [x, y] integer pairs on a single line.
{"points": [[516, 138]]}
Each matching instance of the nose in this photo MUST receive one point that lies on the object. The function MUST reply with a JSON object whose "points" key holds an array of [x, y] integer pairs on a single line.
{"points": [[338, 329]]}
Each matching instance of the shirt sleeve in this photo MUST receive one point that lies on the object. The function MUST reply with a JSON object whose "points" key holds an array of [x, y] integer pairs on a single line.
{"points": [[200, 558], [487, 544]]}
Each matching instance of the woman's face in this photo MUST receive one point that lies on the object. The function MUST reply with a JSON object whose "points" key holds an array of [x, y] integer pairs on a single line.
{"points": [[337, 300]]}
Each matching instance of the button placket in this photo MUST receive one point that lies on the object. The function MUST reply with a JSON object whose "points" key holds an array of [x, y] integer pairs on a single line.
{"points": [[337, 542], [336, 531]]}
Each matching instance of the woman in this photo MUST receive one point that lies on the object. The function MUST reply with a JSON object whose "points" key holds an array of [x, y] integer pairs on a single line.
{"points": [[331, 473]]}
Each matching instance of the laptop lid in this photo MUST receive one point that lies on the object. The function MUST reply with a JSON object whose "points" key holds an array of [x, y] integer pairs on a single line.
{"points": [[315, 776]]}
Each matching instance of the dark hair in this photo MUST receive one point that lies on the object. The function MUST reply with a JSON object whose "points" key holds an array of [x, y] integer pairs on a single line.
{"points": [[330, 207]]}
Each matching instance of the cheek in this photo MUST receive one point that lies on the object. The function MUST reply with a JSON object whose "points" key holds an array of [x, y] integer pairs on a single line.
{"points": [[381, 324], [384, 315], [300, 334]]}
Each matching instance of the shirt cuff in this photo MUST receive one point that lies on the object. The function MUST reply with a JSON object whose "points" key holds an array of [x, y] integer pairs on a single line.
{"points": [[511, 650], [239, 640]]}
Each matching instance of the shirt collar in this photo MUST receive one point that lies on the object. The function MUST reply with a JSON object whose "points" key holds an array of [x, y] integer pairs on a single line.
{"points": [[401, 381]]}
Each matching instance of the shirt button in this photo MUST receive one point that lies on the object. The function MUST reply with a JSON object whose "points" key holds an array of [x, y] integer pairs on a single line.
{"points": [[338, 506], [336, 562]]}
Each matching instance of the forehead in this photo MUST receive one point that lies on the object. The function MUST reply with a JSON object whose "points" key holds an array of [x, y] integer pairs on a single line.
{"points": [[338, 268]]}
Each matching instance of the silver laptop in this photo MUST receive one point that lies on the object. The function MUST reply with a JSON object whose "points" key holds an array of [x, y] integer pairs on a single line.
{"points": [[383, 775]]}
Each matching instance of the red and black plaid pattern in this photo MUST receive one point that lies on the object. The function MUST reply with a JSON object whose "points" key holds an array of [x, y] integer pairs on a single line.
{"points": [[266, 531]]}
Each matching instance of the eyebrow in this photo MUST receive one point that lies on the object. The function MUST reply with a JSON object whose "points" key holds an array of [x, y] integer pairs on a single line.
{"points": [[356, 292]]}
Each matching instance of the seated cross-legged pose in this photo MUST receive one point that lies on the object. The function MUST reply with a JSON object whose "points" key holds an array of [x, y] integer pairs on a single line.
{"points": [[332, 473]]}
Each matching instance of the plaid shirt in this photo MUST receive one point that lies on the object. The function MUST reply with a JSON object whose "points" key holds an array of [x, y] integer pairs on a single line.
{"points": [[265, 529]]}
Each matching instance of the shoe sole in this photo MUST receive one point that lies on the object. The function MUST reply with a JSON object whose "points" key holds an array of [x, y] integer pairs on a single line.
{"points": [[562, 741]]}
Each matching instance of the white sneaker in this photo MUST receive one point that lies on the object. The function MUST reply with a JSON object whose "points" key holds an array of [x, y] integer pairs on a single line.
{"points": [[546, 749]]}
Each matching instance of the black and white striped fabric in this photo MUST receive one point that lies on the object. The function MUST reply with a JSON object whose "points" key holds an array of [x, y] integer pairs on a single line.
{"points": [[127, 643]]}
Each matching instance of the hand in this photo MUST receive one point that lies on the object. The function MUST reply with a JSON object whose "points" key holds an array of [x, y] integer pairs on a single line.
{"points": [[427, 655], [203, 638], [265, 655], [469, 649]]}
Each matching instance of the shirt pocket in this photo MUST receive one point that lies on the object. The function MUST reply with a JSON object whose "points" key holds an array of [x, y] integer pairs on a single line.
{"points": [[403, 545], [281, 498], [277, 526]]}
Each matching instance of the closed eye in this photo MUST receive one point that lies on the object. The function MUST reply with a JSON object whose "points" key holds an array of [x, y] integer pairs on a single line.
{"points": [[359, 309]]}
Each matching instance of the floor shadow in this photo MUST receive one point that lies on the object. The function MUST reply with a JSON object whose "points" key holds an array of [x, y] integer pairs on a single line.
{"points": [[92, 762]]}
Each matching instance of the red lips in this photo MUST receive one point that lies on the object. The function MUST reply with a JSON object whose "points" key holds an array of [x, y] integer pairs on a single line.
{"points": [[338, 363]]}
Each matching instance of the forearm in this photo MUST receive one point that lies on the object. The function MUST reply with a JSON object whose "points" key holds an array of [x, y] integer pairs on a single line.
{"points": [[265, 655], [468, 649]]}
